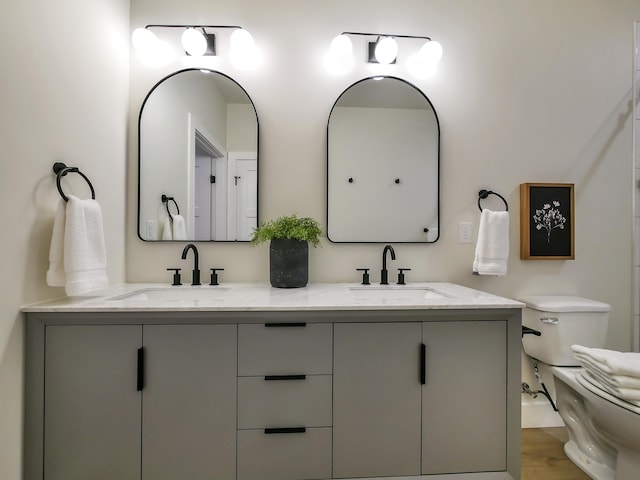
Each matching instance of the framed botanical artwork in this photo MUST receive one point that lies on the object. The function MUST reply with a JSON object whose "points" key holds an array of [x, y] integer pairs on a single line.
{"points": [[546, 221]]}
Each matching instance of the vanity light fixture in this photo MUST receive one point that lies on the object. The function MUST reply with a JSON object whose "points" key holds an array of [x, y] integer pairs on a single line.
{"points": [[384, 51], [196, 42]]}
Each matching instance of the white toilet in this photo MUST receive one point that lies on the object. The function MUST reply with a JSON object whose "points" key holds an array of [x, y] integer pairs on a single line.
{"points": [[604, 431]]}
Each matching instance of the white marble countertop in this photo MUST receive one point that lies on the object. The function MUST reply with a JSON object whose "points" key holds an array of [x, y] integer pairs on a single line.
{"points": [[263, 297]]}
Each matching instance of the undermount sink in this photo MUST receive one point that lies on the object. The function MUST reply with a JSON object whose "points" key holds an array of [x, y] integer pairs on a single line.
{"points": [[397, 292], [174, 294]]}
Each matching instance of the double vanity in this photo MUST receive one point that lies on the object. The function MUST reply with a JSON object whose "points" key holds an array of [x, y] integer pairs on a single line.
{"points": [[249, 382]]}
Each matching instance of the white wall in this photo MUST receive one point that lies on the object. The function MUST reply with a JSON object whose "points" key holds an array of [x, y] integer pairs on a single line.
{"points": [[63, 96], [533, 91]]}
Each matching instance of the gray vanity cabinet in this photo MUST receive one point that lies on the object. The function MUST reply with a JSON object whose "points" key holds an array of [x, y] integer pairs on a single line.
{"points": [[388, 423], [166, 413], [189, 402], [464, 410], [92, 409], [376, 400]]}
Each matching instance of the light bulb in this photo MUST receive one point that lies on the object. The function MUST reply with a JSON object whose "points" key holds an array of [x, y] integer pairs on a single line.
{"points": [[339, 58], [194, 42], [386, 50], [424, 63], [143, 39], [241, 39], [151, 51], [244, 53], [341, 45], [432, 52]]}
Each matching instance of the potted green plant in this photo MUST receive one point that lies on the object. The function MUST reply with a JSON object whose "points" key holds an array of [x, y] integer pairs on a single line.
{"points": [[289, 238]]}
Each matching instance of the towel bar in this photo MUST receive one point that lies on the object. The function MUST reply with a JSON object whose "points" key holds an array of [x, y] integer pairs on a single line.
{"points": [[166, 199], [60, 169], [482, 194]]}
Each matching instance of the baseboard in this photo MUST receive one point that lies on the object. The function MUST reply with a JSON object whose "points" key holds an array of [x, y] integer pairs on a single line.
{"points": [[538, 413]]}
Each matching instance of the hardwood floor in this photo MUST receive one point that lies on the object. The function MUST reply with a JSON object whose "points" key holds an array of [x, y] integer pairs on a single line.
{"points": [[543, 457]]}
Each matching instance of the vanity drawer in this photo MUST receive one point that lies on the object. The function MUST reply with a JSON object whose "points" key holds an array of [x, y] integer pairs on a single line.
{"points": [[284, 456], [265, 402], [287, 348]]}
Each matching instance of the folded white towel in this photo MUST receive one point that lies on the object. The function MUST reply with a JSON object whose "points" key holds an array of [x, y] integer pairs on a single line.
{"points": [[55, 274], [627, 394], [615, 381], [179, 230], [611, 362], [167, 233], [85, 259], [492, 248]]}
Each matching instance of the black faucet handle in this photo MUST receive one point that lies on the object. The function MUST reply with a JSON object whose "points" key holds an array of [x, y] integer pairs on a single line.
{"points": [[214, 276], [176, 276], [401, 275], [365, 275]]}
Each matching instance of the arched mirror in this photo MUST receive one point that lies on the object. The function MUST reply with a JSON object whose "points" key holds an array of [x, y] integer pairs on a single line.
{"points": [[198, 159], [383, 154]]}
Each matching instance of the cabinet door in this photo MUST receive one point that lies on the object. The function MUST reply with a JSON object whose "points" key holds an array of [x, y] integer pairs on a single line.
{"points": [[464, 399], [376, 419], [92, 406], [189, 402]]}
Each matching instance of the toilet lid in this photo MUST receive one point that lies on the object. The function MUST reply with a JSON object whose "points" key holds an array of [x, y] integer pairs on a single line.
{"points": [[563, 303], [584, 381]]}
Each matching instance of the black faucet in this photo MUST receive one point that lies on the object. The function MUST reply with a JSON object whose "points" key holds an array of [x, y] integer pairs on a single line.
{"points": [[196, 270], [384, 274]]}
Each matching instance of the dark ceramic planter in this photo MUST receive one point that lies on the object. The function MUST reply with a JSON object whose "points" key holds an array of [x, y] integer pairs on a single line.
{"points": [[288, 263]]}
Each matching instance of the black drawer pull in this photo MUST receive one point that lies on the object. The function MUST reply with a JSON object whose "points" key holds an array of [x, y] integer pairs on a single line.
{"points": [[140, 372], [423, 366], [284, 377], [272, 431], [286, 324]]}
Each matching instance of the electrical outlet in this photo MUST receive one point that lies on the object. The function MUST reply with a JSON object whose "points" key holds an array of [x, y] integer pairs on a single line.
{"points": [[151, 230], [464, 232]]}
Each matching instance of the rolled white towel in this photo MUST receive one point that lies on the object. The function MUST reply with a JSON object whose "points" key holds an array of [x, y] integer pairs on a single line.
{"points": [[612, 362]]}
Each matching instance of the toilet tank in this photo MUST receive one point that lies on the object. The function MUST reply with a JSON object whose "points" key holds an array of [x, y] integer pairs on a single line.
{"points": [[563, 321]]}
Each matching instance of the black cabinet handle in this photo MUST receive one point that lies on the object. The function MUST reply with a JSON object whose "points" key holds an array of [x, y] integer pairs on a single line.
{"points": [[284, 377], [286, 324], [140, 373], [423, 366], [272, 431]]}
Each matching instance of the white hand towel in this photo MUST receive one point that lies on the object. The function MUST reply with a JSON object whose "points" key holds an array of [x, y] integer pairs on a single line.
{"points": [[55, 274], [85, 259], [612, 362], [167, 233], [179, 228], [492, 248]]}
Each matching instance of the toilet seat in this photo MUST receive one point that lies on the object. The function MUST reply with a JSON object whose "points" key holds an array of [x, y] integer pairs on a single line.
{"points": [[586, 383]]}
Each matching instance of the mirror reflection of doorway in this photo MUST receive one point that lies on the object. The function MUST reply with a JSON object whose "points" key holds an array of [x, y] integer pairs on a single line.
{"points": [[206, 203], [243, 195], [225, 192]]}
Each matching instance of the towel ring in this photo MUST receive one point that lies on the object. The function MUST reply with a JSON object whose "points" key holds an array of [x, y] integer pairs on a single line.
{"points": [[166, 201], [482, 194], [61, 170]]}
